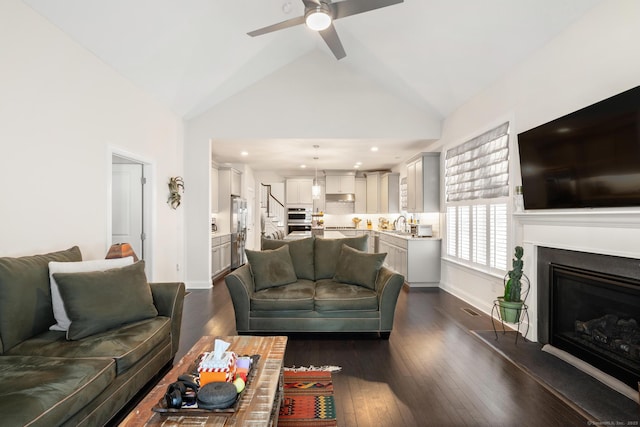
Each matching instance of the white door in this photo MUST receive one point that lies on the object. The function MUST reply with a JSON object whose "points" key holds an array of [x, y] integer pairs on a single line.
{"points": [[127, 201]]}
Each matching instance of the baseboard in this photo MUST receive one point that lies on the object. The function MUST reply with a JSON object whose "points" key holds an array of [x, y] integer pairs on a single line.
{"points": [[199, 284]]}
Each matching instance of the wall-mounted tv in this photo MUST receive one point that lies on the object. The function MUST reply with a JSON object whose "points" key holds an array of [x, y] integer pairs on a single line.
{"points": [[586, 159]]}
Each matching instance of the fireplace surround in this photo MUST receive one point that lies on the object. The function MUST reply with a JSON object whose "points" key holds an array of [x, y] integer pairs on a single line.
{"points": [[589, 306]]}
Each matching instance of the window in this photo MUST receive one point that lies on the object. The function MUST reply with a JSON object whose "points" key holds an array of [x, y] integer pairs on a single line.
{"points": [[477, 188]]}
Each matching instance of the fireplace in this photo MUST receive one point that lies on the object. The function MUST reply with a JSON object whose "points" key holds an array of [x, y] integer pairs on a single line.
{"points": [[589, 306]]}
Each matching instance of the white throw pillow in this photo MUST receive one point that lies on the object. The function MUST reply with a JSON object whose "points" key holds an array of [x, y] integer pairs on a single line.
{"points": [[62, 320]]}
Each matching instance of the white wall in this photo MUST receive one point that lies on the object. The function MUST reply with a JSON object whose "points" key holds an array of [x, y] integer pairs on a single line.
{"points": [[61, 111], [592, 60], [288, 104]]}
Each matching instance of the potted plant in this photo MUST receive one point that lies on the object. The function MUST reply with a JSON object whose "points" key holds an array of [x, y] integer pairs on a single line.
{"points": [[511, 302]]}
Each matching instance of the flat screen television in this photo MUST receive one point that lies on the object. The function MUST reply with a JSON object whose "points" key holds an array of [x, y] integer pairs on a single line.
{"points": [[587, 159]]}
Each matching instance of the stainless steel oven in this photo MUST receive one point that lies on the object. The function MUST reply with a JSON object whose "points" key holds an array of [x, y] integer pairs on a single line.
{"points": [[299, 219]]}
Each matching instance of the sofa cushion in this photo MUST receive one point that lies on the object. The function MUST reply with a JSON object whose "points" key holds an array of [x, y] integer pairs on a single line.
{"points": [[327, 251], [25, 295], [294, 296], [334, 296], [46, 391], [301, 252], [62, 320], [101, 300], [126, 345], [358, 268], [271, 267]]}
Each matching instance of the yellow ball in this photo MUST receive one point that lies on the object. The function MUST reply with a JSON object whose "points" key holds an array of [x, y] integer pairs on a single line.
{"points": [[239, 383]]}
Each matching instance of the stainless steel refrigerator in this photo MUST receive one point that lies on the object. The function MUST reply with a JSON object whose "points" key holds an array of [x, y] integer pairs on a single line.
{"points": [[238, 230]]}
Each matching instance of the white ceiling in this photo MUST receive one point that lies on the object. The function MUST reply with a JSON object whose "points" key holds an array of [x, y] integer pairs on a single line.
{"points": [[435, 54]]}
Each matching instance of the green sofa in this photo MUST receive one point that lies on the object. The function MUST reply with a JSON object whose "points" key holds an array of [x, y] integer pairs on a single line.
{"points": [[123, 332], [335, 286]]}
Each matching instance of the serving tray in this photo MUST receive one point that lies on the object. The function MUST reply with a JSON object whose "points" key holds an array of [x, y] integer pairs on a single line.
{"points": [[162, 408]]}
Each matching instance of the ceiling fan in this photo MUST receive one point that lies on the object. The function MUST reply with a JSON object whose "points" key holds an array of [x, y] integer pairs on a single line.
{"points": [[319, 16]]}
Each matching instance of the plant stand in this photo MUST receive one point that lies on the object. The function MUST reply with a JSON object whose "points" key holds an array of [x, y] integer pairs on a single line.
{"points": [[524, 315], [496, 312]]}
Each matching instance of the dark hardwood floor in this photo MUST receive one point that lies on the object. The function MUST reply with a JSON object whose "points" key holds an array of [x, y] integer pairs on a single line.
{"points": [[431, 372]]}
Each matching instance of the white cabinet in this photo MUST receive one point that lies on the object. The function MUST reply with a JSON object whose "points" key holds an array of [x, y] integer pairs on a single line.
{"points": [[361, 196], [298, 191], [215, 190], [423, 183], [417, 259], [319, 205], [220, 254], [236, 183], [340, 184], [383, 192]]}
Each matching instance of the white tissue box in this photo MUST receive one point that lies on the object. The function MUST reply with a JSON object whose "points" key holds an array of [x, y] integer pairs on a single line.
{"points": [[211, 369]]}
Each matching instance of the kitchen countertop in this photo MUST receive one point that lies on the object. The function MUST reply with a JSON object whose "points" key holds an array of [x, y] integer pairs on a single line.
{"points": [[407, 236], [328, 234]]}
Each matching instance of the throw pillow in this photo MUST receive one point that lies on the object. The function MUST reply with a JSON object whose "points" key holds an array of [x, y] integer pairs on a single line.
{"points": [[101, 300], [62, 320], [327, 251], [358, 268], [301, 252], [271, 268], [25, 295]]}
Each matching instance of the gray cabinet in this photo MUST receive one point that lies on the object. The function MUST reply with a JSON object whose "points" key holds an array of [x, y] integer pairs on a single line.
{"points": [[220, 254], [340, 184], [383, 192], [298, 191], [423, 183], [417, 259]]}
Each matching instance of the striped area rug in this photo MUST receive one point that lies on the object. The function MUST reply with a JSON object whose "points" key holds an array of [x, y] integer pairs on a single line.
{"points": [[308, 400]]}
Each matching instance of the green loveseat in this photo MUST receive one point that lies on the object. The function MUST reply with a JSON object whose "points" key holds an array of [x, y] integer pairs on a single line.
{"points": [[334, 287], [87, 374]]}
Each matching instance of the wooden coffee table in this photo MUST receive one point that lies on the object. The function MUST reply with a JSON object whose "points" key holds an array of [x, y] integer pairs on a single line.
{"points": [[259, 405]]}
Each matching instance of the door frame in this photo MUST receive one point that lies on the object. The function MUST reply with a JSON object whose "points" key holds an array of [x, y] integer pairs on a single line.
{"points": [[148, 200]]}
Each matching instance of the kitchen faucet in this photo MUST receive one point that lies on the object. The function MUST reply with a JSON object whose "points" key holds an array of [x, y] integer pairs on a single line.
{"points": [[404, 225]]}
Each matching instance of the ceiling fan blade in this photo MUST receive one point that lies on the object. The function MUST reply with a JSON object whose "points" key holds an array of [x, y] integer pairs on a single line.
{"points": [[279, 26], [311, 3], [330, 37], [353, 7]]}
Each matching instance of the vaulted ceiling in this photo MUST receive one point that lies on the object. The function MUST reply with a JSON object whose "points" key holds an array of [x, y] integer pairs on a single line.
{"points": [[193, 55]]}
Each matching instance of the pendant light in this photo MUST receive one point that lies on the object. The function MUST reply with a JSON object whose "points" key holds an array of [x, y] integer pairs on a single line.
{"points": [[315, 188]]}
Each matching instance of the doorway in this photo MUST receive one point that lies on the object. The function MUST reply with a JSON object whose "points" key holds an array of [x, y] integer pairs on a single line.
{"points": [[129, 206]]}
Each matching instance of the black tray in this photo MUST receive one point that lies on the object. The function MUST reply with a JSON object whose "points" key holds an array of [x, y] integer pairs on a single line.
{"points": [[162, 408]]}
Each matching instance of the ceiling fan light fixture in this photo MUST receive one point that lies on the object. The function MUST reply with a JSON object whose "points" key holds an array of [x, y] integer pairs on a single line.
{"points": [[318, 18]]}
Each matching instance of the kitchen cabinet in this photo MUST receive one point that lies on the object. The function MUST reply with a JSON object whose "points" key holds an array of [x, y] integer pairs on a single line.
{"points": [[319, 205], [220, 254], [340, 184], [215, 190], [423, 183], [417, 259], [236, 183], [361, 196], [298, 191], [383, 192]]}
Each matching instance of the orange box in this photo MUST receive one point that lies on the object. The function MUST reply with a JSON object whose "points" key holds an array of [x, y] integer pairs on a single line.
{"points": [[209, 374], [215, 377]]}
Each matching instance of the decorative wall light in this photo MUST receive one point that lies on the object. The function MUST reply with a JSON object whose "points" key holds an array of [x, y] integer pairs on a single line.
{"points": [[175, 185]]}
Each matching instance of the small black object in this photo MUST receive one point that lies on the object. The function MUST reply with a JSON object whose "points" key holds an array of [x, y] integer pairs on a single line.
{"points": [[191, 380], [217, 395], [179, 393]]}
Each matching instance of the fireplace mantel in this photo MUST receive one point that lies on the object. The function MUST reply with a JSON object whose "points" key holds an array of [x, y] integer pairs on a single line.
{"points": [[584, 218]]}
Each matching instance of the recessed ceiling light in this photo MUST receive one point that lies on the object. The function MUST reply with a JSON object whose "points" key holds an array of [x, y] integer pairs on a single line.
{"points": [[358, 163], [356, 166], [244, 153], [374, 148], [303, 166]]}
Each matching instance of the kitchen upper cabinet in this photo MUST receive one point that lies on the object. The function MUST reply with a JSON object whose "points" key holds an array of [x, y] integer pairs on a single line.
{"points": [[361, 196], [236, 183], [383, 192], [340, 184], [423, 183], [298, 191], [215, 191]]}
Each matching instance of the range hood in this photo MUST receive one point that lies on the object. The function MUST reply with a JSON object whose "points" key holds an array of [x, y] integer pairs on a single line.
{"points": [[343, 197]]}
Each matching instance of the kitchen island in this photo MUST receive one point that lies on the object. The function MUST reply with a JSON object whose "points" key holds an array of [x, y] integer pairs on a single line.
{"points": [[327, 234]]}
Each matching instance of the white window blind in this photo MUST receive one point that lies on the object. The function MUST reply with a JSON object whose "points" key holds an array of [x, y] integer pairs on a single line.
{"points": [[479, 168], [479, 237], [477, 185], [452, 235], [498, 230], [464, 239]]}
